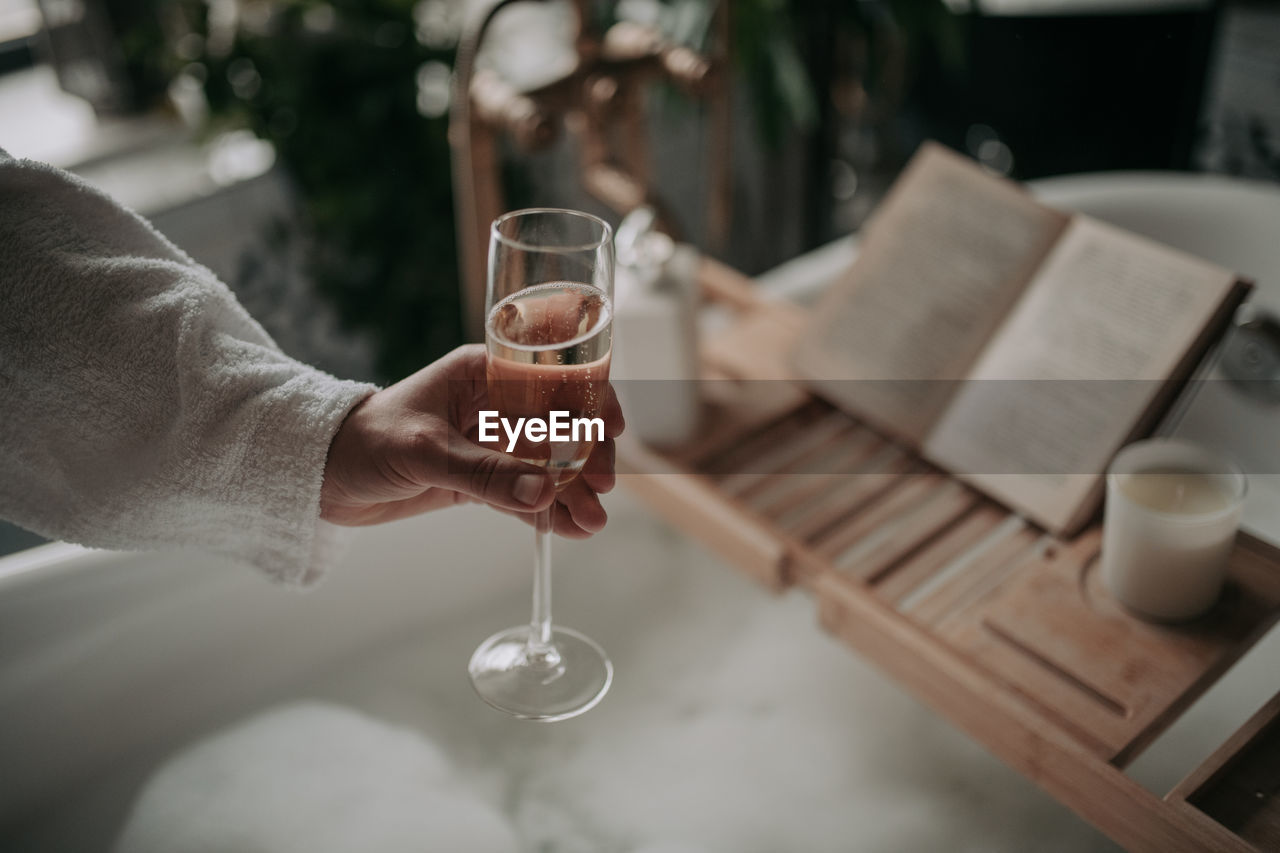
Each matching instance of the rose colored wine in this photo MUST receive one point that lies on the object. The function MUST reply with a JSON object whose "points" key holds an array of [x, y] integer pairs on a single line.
{"points": [[549, 351]]}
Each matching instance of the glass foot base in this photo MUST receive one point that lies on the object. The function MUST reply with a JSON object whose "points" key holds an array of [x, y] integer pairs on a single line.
{"points": [[567, 679]]}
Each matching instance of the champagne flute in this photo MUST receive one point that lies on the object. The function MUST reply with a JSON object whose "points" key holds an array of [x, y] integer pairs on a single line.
{"points": [[548, 334]]}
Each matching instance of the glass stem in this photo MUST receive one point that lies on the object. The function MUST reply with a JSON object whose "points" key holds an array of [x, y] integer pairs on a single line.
{"points": [[540, 648]]}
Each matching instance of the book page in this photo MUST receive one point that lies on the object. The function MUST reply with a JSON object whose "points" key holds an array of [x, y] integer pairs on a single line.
{"points": [[938, 268], [1106, 322]]}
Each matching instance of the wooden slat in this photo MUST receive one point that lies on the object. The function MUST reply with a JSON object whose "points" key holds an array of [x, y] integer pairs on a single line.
{"points": [[849, 497], [964, 587], [1239, 785], [730, 412], [783, 458], [737, 450], [920, 567], [915, 532], [908, 493], [792, 494], [1220, 761], [692, 504]]}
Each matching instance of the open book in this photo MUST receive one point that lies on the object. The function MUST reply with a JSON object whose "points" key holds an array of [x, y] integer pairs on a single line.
{"points": [[1016, 346]]}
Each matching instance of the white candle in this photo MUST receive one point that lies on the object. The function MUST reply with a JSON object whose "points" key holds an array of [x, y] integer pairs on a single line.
{"points": [[1171, 517]]}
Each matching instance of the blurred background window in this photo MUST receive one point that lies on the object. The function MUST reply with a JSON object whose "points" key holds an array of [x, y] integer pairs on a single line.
{"points": [[20, 22]]}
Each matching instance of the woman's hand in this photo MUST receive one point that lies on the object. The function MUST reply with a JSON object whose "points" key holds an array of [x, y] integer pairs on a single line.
{"points": [[409, 448]]}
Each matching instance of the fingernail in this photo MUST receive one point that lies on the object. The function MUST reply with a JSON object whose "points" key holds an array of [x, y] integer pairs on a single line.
{"points": [[528, 488]]}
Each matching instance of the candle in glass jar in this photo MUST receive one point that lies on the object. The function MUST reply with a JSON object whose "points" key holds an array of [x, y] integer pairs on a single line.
{"points": [[1171, 517]]}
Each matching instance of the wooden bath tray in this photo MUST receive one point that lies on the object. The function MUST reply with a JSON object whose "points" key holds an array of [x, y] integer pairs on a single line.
{"points": [[1000, 628]]}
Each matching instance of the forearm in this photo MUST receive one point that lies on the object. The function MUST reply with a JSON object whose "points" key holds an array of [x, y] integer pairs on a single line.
{"points": [[142, 406]]}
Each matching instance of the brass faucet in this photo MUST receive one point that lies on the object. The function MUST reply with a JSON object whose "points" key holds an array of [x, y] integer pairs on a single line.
{"points": [[601, 101]]}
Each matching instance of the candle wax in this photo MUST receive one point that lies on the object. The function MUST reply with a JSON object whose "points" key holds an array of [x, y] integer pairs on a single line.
{"points": [[1177, 491]]}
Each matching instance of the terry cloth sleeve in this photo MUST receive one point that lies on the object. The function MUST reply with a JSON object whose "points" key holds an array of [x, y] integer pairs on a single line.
{"points": [[140, 405]]}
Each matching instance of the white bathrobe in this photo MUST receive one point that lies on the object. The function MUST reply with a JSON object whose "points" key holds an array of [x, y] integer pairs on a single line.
{"points": [[140, 405]]}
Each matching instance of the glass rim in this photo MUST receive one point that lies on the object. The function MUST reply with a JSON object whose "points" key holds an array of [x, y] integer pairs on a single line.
{"points": [[606, 237]]}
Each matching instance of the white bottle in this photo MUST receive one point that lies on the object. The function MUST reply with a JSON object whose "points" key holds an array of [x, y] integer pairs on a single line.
{"points": [[655, 343]]}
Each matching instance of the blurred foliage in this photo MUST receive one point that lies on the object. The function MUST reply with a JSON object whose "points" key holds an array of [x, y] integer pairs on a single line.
{"points": [[146, 61], [771, 40], [338, 88], [339, 101], [335, 88]]}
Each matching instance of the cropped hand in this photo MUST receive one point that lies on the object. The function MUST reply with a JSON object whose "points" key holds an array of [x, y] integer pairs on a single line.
{"points": [[409, 449]]}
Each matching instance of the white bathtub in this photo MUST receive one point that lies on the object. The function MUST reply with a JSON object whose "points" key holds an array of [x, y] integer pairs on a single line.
{"points": [[733, 721]]}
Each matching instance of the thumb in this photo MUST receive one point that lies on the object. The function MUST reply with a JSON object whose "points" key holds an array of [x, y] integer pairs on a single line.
{"points": [[496, 478]]}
